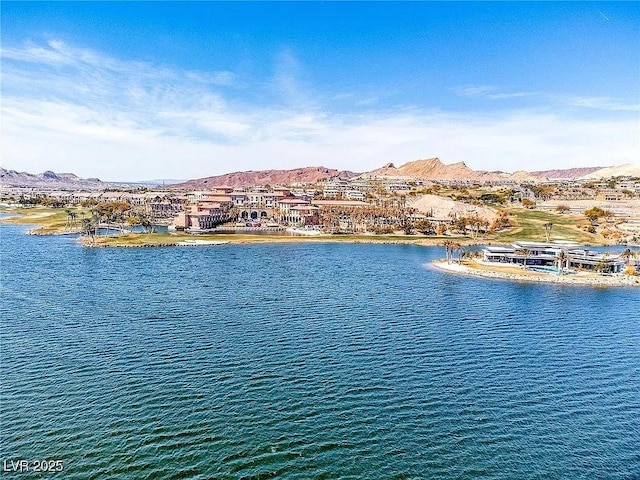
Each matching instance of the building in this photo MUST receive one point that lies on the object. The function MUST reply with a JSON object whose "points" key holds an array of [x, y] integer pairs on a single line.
{"points": [[560, 255], [198, 217], [610, 195]]}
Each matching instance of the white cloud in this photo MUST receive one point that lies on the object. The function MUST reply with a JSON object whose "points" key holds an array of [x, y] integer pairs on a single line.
{"points": [[489, 92], [596, 103], [474, 90], [70, 109], [604, 103]]}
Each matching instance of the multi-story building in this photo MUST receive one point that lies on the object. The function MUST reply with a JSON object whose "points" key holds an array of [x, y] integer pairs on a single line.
{"points": [[563, 256]]}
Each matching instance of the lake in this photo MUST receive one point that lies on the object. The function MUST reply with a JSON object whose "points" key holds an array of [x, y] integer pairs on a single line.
{"points": [[300, 361]]}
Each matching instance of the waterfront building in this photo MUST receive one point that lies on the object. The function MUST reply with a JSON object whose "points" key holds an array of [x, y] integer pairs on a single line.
{"points": [[563, 255], [198, 217], [301, 215], [290, 211]]}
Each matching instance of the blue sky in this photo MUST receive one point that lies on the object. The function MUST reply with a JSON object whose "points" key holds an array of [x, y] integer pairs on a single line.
{"points": [[127, 91]]}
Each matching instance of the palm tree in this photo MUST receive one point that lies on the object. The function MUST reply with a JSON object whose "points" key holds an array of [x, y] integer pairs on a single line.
{"points": [[447, 249], [524, 252], [68, 224], [562, 257], [147, 224], [74, 218], [601, 266], [458, 248], [547, 230], [627, 255], [89, 227]]}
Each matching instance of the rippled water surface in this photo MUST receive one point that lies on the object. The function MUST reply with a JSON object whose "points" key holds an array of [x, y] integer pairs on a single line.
{"points": [[308, 361]]}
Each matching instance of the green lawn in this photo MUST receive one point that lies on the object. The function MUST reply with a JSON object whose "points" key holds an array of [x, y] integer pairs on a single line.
{"points": [[48, 220], [528, 225]]}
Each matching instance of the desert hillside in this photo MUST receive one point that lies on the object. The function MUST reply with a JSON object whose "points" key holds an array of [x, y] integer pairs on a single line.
{"points": [[626, 170], [565, 174], [265, 177], [48, 180], [434, 169], [442, 207]]}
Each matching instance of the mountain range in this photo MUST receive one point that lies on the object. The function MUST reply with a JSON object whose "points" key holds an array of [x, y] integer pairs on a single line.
{"points": [[427, 169], [266, 177], [49, 180], [434, 169]]}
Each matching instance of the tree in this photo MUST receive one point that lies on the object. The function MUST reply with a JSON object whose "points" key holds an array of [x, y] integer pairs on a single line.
{"points": [[524, 252], [448, 245], [425, 227], [627, 255], [501, 222], [563, 208], [460, 225], [74, 219], [601, 266], [562, 257], [146, 222], [528, 203], [491, 198], [68, 224], [477, 224], [547, 230], [593, 214], [607, 215], [90, 227], [457, 247]]}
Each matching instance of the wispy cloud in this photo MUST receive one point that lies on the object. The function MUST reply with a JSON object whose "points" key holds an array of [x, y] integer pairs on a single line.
{"points": [[71, 109], [604, 103], [59, 55], [597, 103], [287, 81], [488, 91], [473, 90]]}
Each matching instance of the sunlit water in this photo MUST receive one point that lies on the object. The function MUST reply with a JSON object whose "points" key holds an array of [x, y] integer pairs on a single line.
{"points": [[308, 361]]}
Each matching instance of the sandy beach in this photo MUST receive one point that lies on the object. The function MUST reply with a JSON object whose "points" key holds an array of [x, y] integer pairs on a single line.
{"points": [[518, 274]]}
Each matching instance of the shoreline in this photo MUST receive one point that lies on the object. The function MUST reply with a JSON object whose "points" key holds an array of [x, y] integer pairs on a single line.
{"points": [[222, 239], [484, 271]]}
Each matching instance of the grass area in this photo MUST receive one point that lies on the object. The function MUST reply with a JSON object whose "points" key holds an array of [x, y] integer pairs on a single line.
{"points": [[528, 225], [49, 220]]}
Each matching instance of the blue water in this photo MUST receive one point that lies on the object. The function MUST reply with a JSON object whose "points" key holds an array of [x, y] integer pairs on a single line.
{"points": [[308, 361]]}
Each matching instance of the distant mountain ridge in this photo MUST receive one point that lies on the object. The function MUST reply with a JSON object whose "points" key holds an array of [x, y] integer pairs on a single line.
{"points": [[625, 170], [434, 169], [266, 177], [49, 179], [428, 169], [566, 173]]}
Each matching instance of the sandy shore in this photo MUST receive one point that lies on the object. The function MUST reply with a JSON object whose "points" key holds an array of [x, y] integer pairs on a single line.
{"points": [[193, 243], [518, 274], [171, 240]]}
